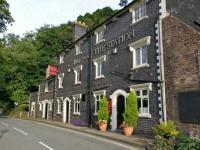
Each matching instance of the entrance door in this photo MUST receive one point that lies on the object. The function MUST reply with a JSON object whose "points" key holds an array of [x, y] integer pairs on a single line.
{"points": [[46, 110], [67, 112], [120, 109]]}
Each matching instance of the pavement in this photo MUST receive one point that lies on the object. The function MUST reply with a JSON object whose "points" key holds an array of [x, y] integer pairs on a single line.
{"points": [[136, 141]]}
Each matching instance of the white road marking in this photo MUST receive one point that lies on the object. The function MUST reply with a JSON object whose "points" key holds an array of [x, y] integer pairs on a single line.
{"points": [[92, 136], [48, 147], [5, 124], [20, 131]]}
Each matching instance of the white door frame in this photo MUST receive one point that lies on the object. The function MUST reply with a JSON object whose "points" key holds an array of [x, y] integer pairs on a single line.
{"points": [[44, 108], [65, 110], [114, 107]]}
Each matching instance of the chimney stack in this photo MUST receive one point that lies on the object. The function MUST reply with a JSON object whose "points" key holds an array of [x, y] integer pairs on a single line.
{"points": [[79, 29]]}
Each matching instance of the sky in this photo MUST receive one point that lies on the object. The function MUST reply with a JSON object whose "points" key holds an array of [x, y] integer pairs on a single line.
{"points": [[32, 14]]}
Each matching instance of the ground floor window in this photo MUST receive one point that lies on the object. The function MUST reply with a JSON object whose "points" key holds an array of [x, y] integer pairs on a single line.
{"points": [[142, 91], [77, 100], [98, 95], [59, 105]]}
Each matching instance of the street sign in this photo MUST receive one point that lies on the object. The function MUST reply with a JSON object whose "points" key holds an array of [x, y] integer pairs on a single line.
{"points": [[16, 103]]}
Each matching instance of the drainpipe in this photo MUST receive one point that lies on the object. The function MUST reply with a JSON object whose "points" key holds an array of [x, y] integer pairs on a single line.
{"points": [[162, 71], [90, 80]]}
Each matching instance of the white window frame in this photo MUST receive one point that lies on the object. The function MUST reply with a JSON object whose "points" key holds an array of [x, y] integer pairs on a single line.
{"points": [[98, 94], [138, 7], [98, 61], [61, 59], [77, 101], [78, 49], [32, 106], [40, 106], [78, 72], [46, 88], [50, 105], [139, 44], [60, 80], [98, 32], [59, 105], [141, 87]]}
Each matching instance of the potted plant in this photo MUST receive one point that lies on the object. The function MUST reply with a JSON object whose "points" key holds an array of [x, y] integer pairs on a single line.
{"points": [[131, 114], [103, 114]]}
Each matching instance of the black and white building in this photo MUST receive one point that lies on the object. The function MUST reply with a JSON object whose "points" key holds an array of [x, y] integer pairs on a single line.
{"points": [[123, 53]]}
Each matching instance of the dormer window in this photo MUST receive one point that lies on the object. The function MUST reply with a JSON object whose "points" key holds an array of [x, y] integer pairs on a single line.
{"points": [[138, 12], [78, 49], [46, 89], [99, 35], [60, 80], [61, 59]]}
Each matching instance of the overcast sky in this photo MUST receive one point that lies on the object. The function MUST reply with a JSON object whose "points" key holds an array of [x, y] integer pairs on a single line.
{"points": [[32, 14]]}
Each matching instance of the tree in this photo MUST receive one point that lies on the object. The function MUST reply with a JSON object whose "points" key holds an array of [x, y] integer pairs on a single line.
{"points": [[131, 112], [97, 17], [123, 3], [103, 113], [5, 15]]}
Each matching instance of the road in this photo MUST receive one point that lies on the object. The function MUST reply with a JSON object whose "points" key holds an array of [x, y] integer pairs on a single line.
{"points": [[16, 134]]}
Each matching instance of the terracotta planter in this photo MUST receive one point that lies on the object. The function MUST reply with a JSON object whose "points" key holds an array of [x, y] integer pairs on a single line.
{"points": [[128, 131], [103, 127]]}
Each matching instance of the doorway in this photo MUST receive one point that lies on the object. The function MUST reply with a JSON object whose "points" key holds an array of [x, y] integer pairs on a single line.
{"points": [[120, 109], [66, 111]]}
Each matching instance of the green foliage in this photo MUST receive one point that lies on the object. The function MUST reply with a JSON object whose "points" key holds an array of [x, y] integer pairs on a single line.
{"points": [[23, 61], [97, 17], [165, 135], [103, 113], [5, 17], [166, 129], [131, 112], [188, 143]]}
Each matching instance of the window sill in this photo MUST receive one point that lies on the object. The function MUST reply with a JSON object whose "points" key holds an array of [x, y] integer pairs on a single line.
{"points": [[100, 41], [100, 77], [145, 115], [78, 83], [140, 20], [78, 54], [95, 114], [60, 87], [140, 66], [77, 114], [46, 91], [59, 113]]}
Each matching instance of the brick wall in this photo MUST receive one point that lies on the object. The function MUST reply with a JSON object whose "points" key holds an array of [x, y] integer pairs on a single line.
{"points": [[181, 45]]}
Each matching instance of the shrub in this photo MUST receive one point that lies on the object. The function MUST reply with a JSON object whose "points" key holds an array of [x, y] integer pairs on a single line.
{"points": [[166, 134], [131, 112], [188, 143], [166, 129], [103, 113]]}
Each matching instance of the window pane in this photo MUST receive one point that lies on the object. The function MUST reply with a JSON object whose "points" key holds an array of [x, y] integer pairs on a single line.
{"points": [[98, 69], [144, 92], [79, 75], [101, 97], [145, 105], [97, 106], [137, 14], [139, 105], [138, 56], [138, 93], [144, 55], [143, 10]]}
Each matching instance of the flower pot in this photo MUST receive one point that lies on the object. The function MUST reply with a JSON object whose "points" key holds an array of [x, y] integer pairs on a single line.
{"points": [[103, 127], [128, 131]]}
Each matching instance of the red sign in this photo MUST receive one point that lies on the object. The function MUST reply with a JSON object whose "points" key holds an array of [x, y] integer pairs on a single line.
{"points": [[51, 71], [110, 106]]}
